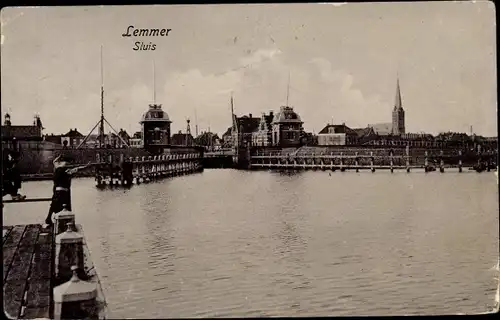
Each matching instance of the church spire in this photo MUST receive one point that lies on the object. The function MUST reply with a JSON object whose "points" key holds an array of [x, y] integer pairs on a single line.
{"points": [[398, 114], [397, 102]]}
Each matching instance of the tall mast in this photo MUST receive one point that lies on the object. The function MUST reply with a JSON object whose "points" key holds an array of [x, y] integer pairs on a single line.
{"points": [[101, 125], [196, 122], [232, 109], [101, 121], [288, 89], [154, 83]]}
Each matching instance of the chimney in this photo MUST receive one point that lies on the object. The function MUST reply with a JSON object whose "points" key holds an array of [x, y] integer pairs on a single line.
{"points": [[250, 115]]}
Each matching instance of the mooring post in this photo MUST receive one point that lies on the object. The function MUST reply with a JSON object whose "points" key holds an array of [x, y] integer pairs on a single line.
{"points": [[459, 160], [62, 219], [408, 158], [426, 162], [356, 162], [75, 299], [69, 252], [372, 168], [391, 156], [441, 162]]}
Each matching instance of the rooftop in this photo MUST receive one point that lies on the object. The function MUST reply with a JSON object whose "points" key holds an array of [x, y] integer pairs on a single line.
{"points": [[286, 115], [155, 113]]}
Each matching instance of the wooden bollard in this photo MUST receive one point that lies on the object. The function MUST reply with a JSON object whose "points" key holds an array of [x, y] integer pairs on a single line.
{"points": [[75, 299], [69, 252], [62, 219], [459, 160]]}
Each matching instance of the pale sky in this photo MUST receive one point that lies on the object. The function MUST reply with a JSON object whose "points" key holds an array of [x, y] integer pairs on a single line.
{"points": [[343, 63]]}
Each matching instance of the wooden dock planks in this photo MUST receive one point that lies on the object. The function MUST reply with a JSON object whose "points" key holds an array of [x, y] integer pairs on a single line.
{"points": [[27, 271]]}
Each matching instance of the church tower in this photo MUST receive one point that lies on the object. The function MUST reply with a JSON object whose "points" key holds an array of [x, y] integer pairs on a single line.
{"points": [[398, 114]]}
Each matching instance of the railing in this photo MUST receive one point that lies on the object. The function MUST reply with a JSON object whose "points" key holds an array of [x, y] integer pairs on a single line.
{"points": [[383, 159], [145, 169], [223, 152]]}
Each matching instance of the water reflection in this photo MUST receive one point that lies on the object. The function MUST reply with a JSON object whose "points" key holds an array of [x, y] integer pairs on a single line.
{"points": [[236, 243], [159, 240]]}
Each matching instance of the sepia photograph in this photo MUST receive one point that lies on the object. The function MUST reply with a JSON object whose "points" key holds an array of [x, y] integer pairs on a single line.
{"points": [[249, 160]]}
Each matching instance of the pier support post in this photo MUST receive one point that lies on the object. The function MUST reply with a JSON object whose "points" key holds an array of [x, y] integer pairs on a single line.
{"points": [[426, 162], [69, 252], [459, 160], [372, 168], [441, 162], [99, 181], [75, 299], [356, 161], [391, 156], [407, 158], [62, 219], [342, 168]]}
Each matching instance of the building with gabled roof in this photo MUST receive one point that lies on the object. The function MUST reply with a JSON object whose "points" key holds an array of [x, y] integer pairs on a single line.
{"points": [[335, 135], [382, 129], [21, 132], [262, 136], [287, 128]]}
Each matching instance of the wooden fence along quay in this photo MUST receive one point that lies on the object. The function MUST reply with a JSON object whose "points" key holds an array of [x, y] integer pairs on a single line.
{"points": [[385, 160], [145, 169], [48, 273]]}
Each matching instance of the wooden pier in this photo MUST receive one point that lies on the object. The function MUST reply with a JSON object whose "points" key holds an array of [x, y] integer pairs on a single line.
{"points": [[145, 169], [385, 160], [27, 271], [37, 278]]}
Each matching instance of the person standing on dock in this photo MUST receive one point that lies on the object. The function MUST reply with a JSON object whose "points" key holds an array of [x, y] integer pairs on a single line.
{"points": [[11, 177], [61, 197]]}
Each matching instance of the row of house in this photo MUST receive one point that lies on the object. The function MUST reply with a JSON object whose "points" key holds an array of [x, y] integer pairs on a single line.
{"points": [[285, 129], [73, 139], [266, 131]]}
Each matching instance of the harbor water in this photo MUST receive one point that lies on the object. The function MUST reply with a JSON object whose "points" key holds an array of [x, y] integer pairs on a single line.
{"points": [[227, 243]]}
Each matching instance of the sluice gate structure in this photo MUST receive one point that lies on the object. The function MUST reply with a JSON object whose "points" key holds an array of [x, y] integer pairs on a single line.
{"points": [[342, 159], [126, 171]]}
